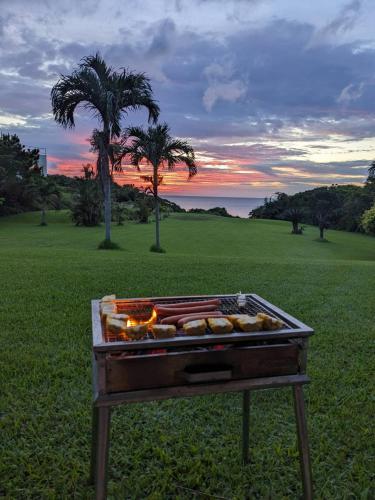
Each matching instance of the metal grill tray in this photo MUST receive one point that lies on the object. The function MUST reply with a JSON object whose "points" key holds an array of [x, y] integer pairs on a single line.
{"points": [[293, 328]]}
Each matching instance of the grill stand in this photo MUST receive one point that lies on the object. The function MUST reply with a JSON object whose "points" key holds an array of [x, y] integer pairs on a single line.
{"points": [[103, 404], [107, 394]]}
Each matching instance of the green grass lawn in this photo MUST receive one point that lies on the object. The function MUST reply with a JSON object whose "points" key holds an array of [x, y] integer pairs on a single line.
{"points": [[163, 450]]}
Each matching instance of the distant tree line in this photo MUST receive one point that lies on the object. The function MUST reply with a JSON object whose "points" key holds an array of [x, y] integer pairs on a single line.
{"points": [[23, 188], [347, 207]]}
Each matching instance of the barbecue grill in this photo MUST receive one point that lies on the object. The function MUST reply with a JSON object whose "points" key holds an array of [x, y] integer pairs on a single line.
{"points": [[181, 366]]}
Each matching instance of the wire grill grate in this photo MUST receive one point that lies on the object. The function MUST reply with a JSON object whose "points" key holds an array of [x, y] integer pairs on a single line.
{"points": [[141, 310]]}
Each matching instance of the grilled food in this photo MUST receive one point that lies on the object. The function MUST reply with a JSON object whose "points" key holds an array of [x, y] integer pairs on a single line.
{"points": [[250, 324], [115, 326], [107, 309], [180, 319], [270, 323], [197, 327], [163, 331], [234, 318], [121, 317], [108, 298], [135, 332], [220, 325]]}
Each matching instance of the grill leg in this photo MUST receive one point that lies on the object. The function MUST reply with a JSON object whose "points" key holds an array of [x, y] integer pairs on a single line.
{"points": [[100, 450], [245, 426], [94, 442], [303, 443]]}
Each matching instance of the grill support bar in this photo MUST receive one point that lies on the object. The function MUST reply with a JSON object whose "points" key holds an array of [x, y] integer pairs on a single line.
{"points": [[102, 413]]}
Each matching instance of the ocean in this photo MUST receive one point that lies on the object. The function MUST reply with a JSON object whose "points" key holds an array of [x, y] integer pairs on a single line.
{"points": [[234, 206]]}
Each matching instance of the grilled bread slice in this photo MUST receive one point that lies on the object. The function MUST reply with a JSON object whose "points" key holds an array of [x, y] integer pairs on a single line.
{"points": [[220, 325], [163, 331], [234, 318], [250, 324], [107, 309], [114, 325], [270, 323], [136, 332], [196, 327], [108, 298]]}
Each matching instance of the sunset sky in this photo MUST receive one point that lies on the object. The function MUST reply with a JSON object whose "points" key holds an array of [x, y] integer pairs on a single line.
{"points": [[274, 95]]}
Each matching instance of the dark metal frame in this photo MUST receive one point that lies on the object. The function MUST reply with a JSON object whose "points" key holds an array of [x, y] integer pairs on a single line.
{"points": [[103, 401]]}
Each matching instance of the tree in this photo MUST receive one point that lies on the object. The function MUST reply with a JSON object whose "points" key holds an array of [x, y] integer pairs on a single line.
{"points": [[295, 216], [157, 147], [371, 172], [109, 95], [324, 211], [87, 206], [48, 194], [18, 168], [368, 221]]}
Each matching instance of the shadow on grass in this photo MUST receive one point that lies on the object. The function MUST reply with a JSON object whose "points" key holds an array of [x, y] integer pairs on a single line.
{"points": [[324, 240], [154, 248], [108, 245]]}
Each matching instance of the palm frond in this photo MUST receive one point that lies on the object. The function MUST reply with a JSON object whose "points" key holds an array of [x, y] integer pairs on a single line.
{"points": [[156, 146]]}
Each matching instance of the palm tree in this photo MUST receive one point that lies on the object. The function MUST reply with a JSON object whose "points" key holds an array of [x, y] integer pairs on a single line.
{"points": [[156, 146], [109, 95]]}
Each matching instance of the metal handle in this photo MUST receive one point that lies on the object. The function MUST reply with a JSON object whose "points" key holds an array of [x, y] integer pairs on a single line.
{"points": [[196, 374]]}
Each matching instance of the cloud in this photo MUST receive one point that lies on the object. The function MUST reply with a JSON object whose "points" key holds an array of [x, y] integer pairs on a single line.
{"points": [[345, 19], [342, 23], [221, 85], [230, 91], [351, 92], [249, 96]]}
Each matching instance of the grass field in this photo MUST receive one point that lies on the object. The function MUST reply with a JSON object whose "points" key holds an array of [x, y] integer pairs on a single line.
{"points": [[164, 450]]}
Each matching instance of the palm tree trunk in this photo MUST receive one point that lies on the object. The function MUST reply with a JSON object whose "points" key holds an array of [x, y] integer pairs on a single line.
{"points": [[107, 208], [157, 226], [321, 229], [106, 186]]}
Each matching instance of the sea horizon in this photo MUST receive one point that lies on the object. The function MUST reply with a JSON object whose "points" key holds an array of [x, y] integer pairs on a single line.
{"points": [[235, 205]]}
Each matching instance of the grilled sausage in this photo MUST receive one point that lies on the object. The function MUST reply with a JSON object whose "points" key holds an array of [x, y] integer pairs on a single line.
{"points": [[172, 320], [185, 305], [169, 311]]}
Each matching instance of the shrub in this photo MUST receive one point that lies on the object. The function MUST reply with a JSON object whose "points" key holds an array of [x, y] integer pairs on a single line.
{"points": [[368, 220], [119, 213], [87, 206], [143, 212]]}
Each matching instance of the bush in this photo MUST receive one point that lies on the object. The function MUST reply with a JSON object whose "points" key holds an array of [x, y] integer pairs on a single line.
{"points": [[119, 213], [87, 206], [143, 212], [368, 221]]}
